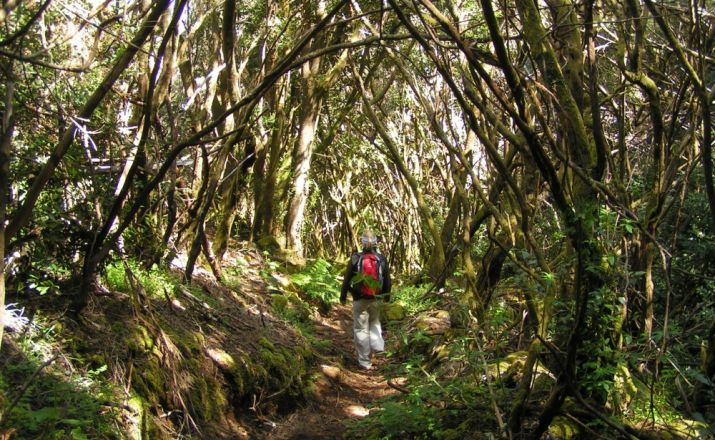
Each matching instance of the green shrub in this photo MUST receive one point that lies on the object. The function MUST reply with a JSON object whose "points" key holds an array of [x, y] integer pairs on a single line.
{"points": [[157, 281], [413, 298]]}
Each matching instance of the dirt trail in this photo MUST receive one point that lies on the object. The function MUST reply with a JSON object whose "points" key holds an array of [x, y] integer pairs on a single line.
{"points": [[345, 392]]}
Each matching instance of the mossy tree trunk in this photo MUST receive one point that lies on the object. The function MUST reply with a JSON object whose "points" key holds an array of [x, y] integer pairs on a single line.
{"points": [[7, 127], [269, 154], [238, 165], [311, 99], [580, 213], [314, 86]]}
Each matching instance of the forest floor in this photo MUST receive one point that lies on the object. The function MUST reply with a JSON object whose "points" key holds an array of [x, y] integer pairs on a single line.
{"points": [[345, 392]]}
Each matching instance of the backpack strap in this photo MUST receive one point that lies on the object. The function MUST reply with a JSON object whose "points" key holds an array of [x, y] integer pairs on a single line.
{"points": [[380, 275], [358, 266]]}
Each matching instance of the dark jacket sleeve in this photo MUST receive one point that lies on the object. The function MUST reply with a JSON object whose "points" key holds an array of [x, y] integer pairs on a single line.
{"points": [[349, 272], [386, 281]]}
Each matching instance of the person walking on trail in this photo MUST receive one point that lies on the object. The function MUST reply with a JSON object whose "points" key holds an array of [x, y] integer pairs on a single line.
{"points": [[368, 279]]}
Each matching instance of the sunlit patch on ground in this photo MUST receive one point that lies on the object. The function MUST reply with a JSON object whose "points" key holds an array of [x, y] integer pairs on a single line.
{"points": [[357, 411], [331, 371]]}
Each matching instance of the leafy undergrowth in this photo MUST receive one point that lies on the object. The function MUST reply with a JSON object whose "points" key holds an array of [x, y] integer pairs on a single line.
{"points": [[46, 394], [461, 381]]}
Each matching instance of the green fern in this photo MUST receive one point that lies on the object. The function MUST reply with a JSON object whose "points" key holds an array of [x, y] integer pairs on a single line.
{"points": [[319, 280]]}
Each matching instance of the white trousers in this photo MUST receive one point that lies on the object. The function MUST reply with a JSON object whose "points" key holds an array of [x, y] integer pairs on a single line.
{"points": [[367, 331]]}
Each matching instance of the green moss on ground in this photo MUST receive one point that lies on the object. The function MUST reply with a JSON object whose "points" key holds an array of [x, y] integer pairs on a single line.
{"points": [[562, 428]]}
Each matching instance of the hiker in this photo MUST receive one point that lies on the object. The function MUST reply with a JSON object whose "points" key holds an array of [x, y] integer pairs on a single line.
{"points": [[368, 280]]}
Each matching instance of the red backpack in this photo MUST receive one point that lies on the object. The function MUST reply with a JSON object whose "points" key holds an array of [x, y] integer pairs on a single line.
{"points": [[369, 265]]}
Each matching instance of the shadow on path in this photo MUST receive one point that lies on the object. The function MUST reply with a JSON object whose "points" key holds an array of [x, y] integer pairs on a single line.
{"points": [[343, 391]]}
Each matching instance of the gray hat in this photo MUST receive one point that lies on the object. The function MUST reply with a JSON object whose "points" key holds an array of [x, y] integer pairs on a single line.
{"points": [[368, 239]]}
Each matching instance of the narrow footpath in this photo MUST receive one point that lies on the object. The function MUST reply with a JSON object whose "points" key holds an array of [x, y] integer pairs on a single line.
{"points": [[345, 392]]}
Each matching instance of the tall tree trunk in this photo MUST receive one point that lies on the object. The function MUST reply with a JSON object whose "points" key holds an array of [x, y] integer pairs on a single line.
{"points": [[269, 142], [656, 198], [209, 183], [303, 153], [226, 97], [171, 208], [7, 128], [314, 87], [268, 160]]}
